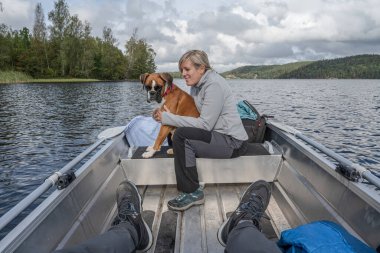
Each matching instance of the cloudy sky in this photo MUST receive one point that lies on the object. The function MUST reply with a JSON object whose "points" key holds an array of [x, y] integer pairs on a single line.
{"points": [[233, 32]]}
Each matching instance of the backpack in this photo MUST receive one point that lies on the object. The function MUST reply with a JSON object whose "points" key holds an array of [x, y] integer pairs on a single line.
{"points": [[253, 122]]}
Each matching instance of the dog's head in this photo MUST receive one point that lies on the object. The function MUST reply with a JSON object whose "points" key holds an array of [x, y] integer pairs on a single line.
{"points": [[155, 85]]}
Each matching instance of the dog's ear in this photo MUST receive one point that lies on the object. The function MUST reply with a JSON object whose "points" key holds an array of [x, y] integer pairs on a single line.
{"points": [[143, 77], [167, 78]]}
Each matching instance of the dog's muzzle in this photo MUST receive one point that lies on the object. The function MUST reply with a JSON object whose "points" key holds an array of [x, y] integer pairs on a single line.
{"points": [[154, 96]]}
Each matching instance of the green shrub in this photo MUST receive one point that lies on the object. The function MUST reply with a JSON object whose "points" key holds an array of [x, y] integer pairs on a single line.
{"points": [[14, 77]]}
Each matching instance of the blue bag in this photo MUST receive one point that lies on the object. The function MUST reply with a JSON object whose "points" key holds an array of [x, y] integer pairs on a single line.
{"points": [[253, 122], [321, 237]]}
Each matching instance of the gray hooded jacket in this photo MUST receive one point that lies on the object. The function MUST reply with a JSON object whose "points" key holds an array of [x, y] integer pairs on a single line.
{"points": [[217, 106]]}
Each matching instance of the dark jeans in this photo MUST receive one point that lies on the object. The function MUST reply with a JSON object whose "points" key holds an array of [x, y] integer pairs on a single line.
{"points": [[120, 238], [190, 143], [246, 238]]}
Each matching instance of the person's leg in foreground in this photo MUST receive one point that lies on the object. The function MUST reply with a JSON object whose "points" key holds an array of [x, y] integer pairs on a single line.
{"points": [[242, 231], [188, 144], [128, 233]]}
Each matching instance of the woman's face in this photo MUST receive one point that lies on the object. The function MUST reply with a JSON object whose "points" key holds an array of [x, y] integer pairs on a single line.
{"points": [[191, 74]]}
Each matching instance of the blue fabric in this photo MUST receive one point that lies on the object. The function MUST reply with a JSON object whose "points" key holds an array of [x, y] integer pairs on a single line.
{"points": [[142, 131], [321, 237], [245, 112]]}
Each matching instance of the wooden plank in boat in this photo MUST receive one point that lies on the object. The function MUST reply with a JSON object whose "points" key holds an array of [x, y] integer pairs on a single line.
{"points": [[165, 238], [191, 231], [213, 219], [156, 215], [229, 199], [278, 220], [151, 203]]}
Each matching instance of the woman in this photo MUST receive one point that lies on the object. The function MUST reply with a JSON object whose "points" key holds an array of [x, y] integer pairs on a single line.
{"points": [[217, 133]]}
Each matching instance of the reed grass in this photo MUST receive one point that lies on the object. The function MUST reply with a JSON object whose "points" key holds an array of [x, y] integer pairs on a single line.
{"points": [[64, 80], [19, 77], [13, 77]]}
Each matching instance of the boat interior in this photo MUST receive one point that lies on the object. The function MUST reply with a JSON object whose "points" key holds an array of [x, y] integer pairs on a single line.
{"points": [[305, 188]]}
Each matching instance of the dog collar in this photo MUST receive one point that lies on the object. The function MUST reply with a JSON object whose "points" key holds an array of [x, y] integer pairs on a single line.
{"points": [[168, 89]]}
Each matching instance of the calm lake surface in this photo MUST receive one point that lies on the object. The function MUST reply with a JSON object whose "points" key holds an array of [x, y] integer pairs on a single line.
{"points": [[44, 126]]}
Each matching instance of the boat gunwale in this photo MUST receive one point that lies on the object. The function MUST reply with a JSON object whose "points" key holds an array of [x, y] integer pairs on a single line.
{"points": [[34, 219], [371, 196]]}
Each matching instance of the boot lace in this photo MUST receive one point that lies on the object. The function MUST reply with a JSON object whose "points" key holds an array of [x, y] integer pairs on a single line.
{"points": [[127, 210], [253, 210], [181, 196]]}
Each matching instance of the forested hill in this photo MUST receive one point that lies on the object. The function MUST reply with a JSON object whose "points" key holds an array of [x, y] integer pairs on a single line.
{"points": [[66, 49], [360, 66]]}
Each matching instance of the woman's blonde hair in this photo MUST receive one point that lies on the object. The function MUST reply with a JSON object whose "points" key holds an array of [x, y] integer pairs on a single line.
{"points": [[197, 57]]}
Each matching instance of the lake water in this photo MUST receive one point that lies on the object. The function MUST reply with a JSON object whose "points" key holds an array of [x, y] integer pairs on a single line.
{"points": [[44, 126]]}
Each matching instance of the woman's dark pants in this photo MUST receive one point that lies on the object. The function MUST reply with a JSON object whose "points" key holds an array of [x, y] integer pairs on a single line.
{"points": [[190, 143]]}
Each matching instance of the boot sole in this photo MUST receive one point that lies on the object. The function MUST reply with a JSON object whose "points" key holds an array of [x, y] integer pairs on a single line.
{"points": [[198, 202], [150, 243], [219, 234]]}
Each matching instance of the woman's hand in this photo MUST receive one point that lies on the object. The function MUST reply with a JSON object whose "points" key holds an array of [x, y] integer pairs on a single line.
{"points": [[154, 114], [157, 113]]}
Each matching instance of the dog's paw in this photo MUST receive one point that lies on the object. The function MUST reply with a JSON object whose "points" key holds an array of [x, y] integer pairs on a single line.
{"points": [[148, 154], [170, 151], [150, 148]]}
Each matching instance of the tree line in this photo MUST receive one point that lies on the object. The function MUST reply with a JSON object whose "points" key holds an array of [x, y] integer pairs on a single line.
{"points": [[66, 49], [351, 67]]}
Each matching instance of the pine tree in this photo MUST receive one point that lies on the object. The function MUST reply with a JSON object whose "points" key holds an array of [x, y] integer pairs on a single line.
{"points": [[140, 57], [112, 61], [39, 43], [60, 18]]}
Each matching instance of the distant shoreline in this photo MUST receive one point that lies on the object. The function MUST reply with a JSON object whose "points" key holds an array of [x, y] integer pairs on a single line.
{"points": [[15, 77], [68, 80], [52, 80], [351, 67]]}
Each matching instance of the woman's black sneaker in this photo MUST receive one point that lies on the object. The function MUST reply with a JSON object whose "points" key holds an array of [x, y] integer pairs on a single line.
{"points": [[129, 205], [252, 207]]}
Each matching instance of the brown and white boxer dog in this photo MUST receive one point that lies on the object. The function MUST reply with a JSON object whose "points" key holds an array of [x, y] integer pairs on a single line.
{"points": [[160, 88]]}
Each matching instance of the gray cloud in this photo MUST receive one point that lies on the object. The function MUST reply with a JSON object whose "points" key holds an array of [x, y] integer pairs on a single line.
{"points": [[134, 9], [221, 21], [233, 33], [154, 33], [16, 14]]}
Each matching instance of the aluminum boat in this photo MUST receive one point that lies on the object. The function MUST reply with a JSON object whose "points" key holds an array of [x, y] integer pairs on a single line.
{"points": [[307, 185]]}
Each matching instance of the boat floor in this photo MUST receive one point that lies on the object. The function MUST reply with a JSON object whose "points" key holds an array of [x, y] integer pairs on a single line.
{"points": [[195, 230]]}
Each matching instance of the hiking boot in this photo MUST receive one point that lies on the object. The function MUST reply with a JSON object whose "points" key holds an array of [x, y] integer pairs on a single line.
{"points": [[186, 200], [129, 205], [252, 208]]}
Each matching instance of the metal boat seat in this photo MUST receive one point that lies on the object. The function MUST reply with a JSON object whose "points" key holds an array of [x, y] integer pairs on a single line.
{"points": [[257, 164], [254, 149]]}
